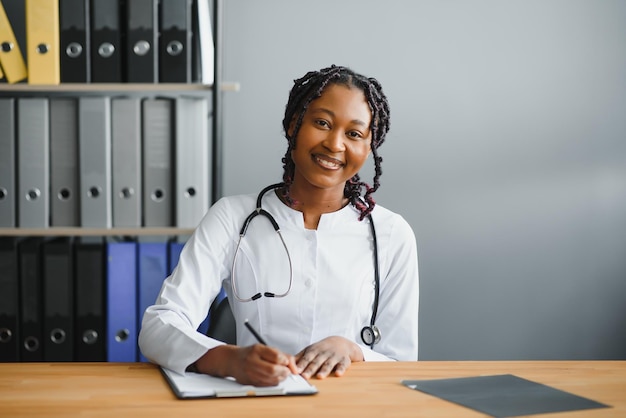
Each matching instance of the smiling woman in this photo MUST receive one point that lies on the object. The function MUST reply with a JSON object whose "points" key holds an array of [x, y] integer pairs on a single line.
{"points": [[322, 285], [331, 146]]}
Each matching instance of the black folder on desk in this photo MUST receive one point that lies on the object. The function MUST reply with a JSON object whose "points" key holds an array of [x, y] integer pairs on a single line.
{"points": [[195, 385], [503, 395]]}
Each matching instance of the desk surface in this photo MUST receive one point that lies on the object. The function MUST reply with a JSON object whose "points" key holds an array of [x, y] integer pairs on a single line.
{"points": [[373, 389]]}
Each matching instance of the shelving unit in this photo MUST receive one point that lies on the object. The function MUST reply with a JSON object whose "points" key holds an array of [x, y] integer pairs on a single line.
{"points": [[104, 232], [23, 89], [92, 271], [115, 88]]}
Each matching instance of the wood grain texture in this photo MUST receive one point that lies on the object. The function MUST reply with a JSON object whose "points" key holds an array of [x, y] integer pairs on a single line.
{"points": [[367, 390]]}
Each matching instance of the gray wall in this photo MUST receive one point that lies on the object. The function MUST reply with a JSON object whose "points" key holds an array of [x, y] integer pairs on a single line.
{"points": [[507, 154]]}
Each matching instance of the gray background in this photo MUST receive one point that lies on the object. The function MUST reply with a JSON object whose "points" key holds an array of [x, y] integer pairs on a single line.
{"points": [[507, 154]]}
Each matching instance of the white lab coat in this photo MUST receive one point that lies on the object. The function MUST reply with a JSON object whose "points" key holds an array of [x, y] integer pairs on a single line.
{"points": [[332, 291]]}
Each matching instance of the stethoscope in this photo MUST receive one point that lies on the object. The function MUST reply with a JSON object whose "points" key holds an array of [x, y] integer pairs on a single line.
{"points": [[370, 334]]}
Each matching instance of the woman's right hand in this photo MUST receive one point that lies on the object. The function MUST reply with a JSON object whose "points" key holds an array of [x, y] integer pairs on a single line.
{"points": [[257, 365]]}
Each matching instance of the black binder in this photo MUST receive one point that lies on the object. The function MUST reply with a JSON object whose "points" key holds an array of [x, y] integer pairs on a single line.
{"points": [[58, 296], [31, 327], [90, 335], [175, 41], [74, 38], [141, 41], [106, 57], [9, 306], [16, 13]]}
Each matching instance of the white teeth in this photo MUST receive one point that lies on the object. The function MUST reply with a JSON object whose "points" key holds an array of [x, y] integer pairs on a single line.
{"points": [[327, 163]]}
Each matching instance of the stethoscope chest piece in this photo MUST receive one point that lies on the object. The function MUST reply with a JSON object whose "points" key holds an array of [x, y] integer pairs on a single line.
{"points": [[370, 335]]}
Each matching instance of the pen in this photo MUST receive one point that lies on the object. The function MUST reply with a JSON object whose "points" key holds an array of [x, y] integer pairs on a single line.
{"points": [[260, 339], [253, 331]]}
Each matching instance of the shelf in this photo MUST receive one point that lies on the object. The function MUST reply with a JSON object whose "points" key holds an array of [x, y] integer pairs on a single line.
{"points": [[111, 87], [81, 231]]}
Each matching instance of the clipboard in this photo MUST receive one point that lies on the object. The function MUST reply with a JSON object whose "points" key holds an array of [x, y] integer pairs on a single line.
{"points": [[192, 385]]}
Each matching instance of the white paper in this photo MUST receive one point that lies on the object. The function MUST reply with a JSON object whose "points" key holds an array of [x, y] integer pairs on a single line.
{"points": [[196, 385]]}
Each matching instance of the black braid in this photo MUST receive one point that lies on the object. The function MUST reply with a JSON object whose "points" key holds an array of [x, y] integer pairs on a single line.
{"points": [[309, 88]]}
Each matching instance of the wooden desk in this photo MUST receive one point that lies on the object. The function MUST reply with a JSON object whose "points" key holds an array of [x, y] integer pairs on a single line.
{"points": [[122, 390]]}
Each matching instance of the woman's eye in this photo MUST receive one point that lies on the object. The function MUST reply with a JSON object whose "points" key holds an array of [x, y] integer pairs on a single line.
{"points": [[354, 134], [323, 123]]}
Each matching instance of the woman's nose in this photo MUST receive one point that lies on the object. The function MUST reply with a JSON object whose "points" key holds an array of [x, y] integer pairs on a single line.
{"points": [[334, 141]]}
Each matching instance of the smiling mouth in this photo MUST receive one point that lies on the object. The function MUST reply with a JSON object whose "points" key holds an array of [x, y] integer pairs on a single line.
{"points": [[330, 164]]}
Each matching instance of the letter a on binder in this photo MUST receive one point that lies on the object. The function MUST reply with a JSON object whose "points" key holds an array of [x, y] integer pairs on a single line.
{"points": [[42, 41], [11, 59]]}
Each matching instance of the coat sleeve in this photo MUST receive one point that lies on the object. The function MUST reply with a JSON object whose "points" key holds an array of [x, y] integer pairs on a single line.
{"points": [[168, 334]]}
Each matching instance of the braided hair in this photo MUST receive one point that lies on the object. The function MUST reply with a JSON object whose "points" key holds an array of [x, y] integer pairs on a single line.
{"points": [[309, 88]]}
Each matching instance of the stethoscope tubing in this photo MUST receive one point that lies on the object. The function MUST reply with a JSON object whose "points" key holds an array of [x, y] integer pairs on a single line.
{"points": [[260, 211]]}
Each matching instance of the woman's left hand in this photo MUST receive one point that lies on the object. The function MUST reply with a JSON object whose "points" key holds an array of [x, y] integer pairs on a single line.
{"points": [[332, 354]]}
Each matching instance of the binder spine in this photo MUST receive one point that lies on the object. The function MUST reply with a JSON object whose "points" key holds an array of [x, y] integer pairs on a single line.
{"points": [[121, 302], [192, 161], [33, 162], [106, 56], [9, 300], [11, 59], [90, 337], [31, 327], [126, 162], [152, 270], [42, 40], [157, 162], [75, 46], [95, 161], [7, 163], [142, 41], [58, 296], [64, 205], [175, 41]]}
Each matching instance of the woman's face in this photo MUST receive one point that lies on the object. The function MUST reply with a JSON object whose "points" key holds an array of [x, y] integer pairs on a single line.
{"points": [[334, 139]]}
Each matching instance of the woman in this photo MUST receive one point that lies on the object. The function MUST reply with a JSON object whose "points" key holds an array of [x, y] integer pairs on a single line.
{"points": [[340, 271]]}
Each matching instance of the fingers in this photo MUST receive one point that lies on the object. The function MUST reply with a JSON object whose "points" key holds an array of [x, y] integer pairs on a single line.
{"points": [[261, 365], [325, 357], [322, 364]]}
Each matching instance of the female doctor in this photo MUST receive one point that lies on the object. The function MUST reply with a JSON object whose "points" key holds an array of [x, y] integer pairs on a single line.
{"points": [[323, 274]]}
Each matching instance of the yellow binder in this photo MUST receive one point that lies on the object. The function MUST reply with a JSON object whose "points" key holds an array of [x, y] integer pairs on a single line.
{"points": [[11, 58], [42, 41]]}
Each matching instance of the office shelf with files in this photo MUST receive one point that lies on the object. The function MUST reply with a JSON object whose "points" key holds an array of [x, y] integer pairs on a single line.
{"points": [[116, 173]]}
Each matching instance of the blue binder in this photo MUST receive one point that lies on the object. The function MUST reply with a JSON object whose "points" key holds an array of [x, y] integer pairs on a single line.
{"points": [[175, 249], [153, 264], [121, 339]]}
